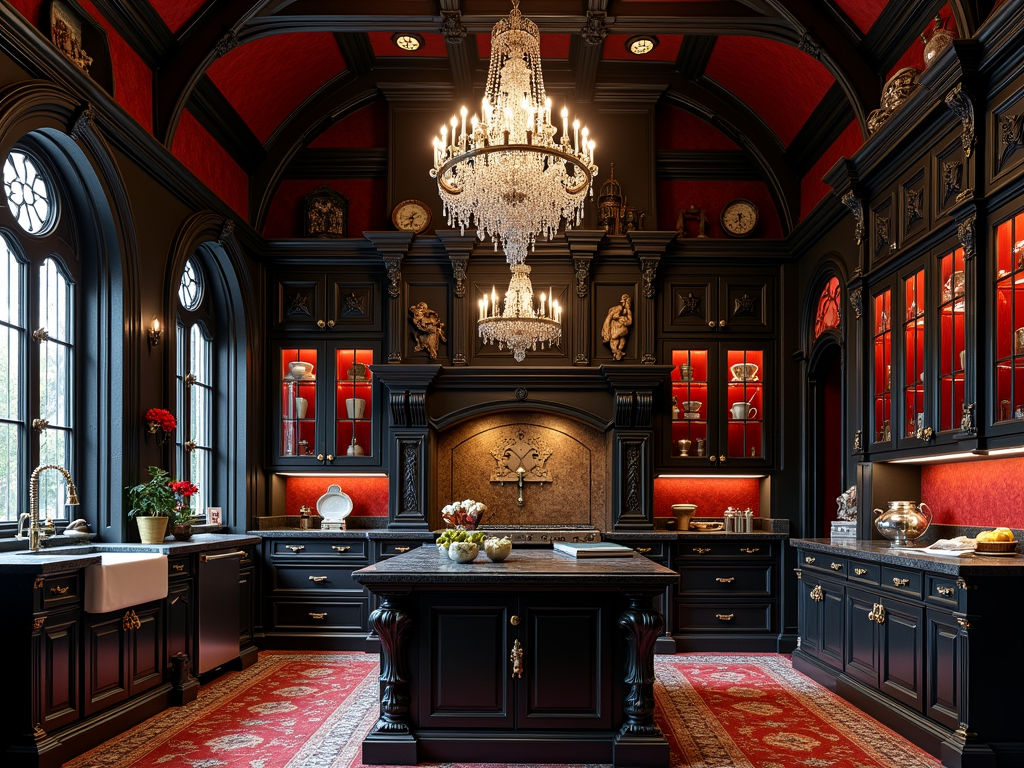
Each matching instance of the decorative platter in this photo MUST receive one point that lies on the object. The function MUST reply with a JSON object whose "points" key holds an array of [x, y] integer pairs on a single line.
{"points": [[706, 526], [995, 554], [335, 505]]}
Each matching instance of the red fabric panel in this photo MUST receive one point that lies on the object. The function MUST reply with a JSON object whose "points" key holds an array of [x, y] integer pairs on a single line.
{"points": [[678, 129], [433, 45], [176, 12], [711, 495], [987, 493], [267, 79], [211, 164], [369, 494], [133, 80], [36, 11], [367, 206], [914, 55], [779, 82], [366, 127], [551, 46], [712, 196], [863, 13], [667, 48], [812, 188]]}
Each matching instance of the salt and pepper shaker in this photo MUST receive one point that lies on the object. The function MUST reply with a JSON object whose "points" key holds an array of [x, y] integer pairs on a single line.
{"points": [[729, 517], [304, 517], [748, 520]]}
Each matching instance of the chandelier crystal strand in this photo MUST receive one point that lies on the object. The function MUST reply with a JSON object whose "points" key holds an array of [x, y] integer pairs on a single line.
{"points": [[519, 326]]}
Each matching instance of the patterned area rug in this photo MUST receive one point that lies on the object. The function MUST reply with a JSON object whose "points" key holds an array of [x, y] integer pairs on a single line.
{"points": [[311, 710]]}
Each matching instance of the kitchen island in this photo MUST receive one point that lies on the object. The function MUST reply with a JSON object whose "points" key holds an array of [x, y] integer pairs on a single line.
{"points": [[542, 658]]}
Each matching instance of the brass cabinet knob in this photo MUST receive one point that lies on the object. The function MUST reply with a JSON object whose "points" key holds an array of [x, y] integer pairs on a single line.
{"points": [[810, 560], [514, 621], [898, 582], [330, 457], [317, 616], [330, 323], [945, 591], [702, 550], [721, 459], [643, 549], [402, 549], [340, 549], [711, 323], [750, 550], [320, 457], [721, 323], [860, 571], [817, 594]]}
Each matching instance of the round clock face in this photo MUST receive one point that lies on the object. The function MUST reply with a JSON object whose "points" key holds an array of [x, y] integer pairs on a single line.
{"points": [[411, 216], [739, 218]]}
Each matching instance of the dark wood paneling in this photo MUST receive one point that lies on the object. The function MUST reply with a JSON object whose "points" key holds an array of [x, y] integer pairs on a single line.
{"points": [[705, 164], [339, 164]]}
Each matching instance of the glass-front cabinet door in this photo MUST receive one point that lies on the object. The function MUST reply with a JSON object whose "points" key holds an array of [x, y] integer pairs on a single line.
{"points": [[912, 333], [881, 377], [1008, 334], [952, 339], [719, 406]]}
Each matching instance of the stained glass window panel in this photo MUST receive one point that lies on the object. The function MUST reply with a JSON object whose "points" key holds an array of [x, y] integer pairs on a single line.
{"points": [[829, 310]]}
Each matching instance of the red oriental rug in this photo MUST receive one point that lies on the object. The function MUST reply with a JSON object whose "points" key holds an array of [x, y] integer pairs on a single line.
{"points": [[311, 710]]}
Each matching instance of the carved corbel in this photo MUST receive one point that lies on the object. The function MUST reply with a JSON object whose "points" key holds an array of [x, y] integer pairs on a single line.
{"points": [[960, 102], [965, 233], [857, 302], [451, 27], [459, 273], [595, 31], [854, 204], [227, 228], [83, 122], [394, 267], [582, 270], [650, 271]]}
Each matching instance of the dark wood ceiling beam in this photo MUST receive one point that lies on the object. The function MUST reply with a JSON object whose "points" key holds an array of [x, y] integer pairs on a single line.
{"points": [[215, 113], [694, 54], [141, 27], [828, 120], [324, 163], [357, 51], [895, 29], [705, 165]]}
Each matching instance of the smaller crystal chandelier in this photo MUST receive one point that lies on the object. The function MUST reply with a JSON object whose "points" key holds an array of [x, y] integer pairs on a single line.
{"points": [[519, 326]]}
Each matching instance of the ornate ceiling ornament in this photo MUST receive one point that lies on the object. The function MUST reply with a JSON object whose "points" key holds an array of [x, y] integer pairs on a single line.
{"points": [[451, 27], [960, 102], [595, 30]]}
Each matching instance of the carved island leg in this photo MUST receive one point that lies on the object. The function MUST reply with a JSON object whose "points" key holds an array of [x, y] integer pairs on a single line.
{"points": [[640, 741], [390, 741]]}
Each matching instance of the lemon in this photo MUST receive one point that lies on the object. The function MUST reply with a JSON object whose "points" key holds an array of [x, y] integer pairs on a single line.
{"points": [[1003, 534], [985, 536]]}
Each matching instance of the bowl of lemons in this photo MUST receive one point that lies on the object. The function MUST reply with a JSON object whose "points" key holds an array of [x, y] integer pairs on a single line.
{"points": [[999, 541]]}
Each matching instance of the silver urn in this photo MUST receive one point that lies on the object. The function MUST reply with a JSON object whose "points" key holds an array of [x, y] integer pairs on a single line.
{"points": [[903, 521]]}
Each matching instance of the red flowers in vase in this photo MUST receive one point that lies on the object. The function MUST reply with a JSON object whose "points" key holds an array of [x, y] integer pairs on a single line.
{"points": [[161, 423]]}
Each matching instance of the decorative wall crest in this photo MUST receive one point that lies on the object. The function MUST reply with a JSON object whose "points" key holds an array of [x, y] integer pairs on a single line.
{"points": [[952, 178], [857, 302], [594, 31], [1011, 136], [582, 268], [326, 213], [451, 27], [965, 233], [853, 203], [960, 102], [743, 306], [881, 232], [428, 330], [689, 305], [615, 331], [516, 451], [66, 33]]}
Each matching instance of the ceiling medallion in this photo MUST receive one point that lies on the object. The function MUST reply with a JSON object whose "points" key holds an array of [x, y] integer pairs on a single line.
{"points": [[510, 178], [407, 41], [641, 45]]}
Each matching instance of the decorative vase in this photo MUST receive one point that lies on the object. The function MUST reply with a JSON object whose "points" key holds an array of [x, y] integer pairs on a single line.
{"points": [[301, 405], [463, 551], [941, 39], [182, 531], [152, 530], [356, 407]]}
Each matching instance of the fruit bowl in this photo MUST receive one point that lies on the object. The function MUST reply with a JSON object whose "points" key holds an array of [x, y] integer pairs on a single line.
{"points": [[995, 546]]}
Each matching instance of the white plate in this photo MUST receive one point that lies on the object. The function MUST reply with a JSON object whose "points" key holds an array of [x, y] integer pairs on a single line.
{"points": [[335, 504], [996, 554]]}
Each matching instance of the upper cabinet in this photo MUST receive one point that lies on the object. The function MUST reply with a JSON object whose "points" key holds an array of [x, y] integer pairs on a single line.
{"points": [[314, 301], [741, 304], [1007, 341]]}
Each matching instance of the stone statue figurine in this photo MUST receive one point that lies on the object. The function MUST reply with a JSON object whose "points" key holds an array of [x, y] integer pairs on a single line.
{"points": [[615, 331], [847, 504], [428, 329]]}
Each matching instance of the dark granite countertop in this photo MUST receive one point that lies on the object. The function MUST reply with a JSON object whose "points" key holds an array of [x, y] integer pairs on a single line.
{"points": [[690, 535], [361, 533], [427, 568], [52, 559], [881, 552]]}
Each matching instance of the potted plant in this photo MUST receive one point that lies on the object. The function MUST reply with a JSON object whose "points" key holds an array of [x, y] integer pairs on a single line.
{"points": [[183, 492], [158, 500]]}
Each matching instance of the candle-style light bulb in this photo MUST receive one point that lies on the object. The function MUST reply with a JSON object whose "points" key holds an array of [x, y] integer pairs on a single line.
{"points": [[542, 299], [591, 151], [565, 123], [576, 134]]}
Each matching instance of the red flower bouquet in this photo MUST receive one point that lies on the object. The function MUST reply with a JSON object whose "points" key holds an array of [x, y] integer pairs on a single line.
{"points": [[159, 419]]}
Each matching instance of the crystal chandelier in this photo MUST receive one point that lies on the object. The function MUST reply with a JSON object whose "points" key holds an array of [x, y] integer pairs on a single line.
{"points": [[510, 178]]}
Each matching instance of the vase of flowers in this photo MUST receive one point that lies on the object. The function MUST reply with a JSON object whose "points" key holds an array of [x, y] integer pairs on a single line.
{"points": [[161, 423], [181, 527], [157, 501]]}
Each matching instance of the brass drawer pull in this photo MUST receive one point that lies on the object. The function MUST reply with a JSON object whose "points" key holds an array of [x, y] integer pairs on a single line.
{"points": [[836, 566], [750, 550], [293, 548], [898, 582], [130, 621], [725, 579], [810, 560], [701, 550], [318, 616], [516, 657], [643, 550], [178, 567], [945, 591], [59, 590], [963, 623], [317, 579], [877, 614], [724, 616], [341, 549], [816, 594], [402, 549], [860, 571]]}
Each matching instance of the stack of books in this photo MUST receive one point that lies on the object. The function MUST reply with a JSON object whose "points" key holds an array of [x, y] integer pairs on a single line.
{"points": [[592, 549], [844, 529]]}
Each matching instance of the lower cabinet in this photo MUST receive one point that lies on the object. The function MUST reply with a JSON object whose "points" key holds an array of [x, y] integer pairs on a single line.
{"points": [[123, 655], [60, 640]]}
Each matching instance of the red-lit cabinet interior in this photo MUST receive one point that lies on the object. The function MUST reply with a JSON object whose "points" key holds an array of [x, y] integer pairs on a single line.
{"points": [[325, 405], [881, 377], [912, 327], [719, 400], [952, 339], [1008, 339]]}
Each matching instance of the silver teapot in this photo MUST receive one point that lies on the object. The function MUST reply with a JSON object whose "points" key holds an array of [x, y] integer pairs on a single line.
{"points": [[903, 522]]}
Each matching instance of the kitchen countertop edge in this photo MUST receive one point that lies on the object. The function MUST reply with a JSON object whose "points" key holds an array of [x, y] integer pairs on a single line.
{"points": [[880, 552]]}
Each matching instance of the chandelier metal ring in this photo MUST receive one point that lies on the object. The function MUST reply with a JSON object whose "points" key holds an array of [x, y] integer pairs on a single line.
{"points": [[588, 176]]}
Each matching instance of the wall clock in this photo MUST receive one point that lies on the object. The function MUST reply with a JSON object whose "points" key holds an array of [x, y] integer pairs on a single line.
{"points": [[739, 218], [411, 216]]}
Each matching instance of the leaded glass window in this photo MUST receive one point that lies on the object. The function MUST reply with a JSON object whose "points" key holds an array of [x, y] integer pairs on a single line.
{"points": [[828, 314], [29, 193]]}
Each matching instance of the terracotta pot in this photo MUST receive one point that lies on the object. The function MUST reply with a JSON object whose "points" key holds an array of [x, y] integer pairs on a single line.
{"points": [[152, 530]]}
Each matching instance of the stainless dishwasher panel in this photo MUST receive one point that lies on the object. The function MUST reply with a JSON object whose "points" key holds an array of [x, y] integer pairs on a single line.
{"points": [[218, 610]]}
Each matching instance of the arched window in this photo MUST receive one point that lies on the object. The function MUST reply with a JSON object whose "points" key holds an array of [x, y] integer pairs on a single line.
{"points": [[39, 323], [829, 313], [195, 376]]}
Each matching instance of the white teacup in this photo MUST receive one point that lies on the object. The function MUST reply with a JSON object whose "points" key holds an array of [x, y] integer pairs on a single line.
{"points": [[300, 370], [743, 410]]}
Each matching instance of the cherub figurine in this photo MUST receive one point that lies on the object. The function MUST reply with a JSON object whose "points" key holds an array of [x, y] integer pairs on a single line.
{"points": [[428, 329], [615, 331]]}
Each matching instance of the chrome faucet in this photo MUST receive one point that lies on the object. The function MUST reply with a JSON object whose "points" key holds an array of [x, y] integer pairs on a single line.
{"points": [[33, 503]]}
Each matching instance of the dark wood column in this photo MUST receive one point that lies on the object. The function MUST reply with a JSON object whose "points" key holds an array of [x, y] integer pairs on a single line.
{"points": [[391, 740], [393, 247], [649, 248], [583, 245], [459, 248], [640, 741]]}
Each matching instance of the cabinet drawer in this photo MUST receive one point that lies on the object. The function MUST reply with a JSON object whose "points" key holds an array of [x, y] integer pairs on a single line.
{"points": [[716, 548], [942, 591], [902, 581], [824, 562], [864, 573], [312, 578], [178, 567], [392, 548], [727, 580], [296, 615], [333, 549], [723, 617], [652, 550], [61, 589]]}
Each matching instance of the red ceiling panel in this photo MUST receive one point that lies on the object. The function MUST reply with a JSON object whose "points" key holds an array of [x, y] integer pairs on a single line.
{"points": [[678, 129], [211, 164], [779, 82], [812, 188], [863, 13], [33, 11], [366, 127], [551, 46], [666, 50], [267, 79], [433, 45], [176, 12]]}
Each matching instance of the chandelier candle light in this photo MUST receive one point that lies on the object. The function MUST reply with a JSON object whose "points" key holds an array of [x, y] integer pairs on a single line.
{"points": [[512, 179]]}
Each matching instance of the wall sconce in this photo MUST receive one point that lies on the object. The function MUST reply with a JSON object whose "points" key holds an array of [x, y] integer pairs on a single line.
{"points": [[155, 332]]}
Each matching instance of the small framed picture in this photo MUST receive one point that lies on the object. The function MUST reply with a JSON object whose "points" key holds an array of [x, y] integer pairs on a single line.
{"points": [[213, 516]]}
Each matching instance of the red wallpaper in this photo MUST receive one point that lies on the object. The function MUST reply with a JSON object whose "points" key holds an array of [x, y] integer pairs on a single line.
{"points": [[711, 495], [914, 55], [779, 82], [33, 11], [666, 50], [433, 45], [366, 127], [988, 493], [551, 46], [678, 129], [367, 206], [863, 13], [133, 80], [369, 494], [712, 196], [211, 164], [812, 188], [267, 79], [176, 12]]}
